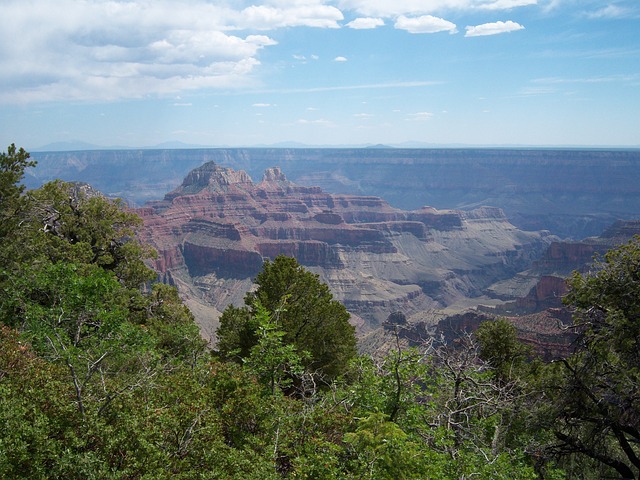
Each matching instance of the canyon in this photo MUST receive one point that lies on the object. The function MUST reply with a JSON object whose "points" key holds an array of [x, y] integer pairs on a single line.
{"points": [[505, 228], [213, 232], [573, 193]]}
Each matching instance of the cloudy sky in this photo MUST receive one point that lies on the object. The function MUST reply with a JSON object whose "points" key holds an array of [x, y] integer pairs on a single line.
{"points": [[320, 72]]}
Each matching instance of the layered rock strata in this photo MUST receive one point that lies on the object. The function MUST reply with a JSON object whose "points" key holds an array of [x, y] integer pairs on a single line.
{"points": [[216, 229]]}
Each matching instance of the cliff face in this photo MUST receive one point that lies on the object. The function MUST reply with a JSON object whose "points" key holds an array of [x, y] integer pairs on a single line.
{"points": [[214, 231]]}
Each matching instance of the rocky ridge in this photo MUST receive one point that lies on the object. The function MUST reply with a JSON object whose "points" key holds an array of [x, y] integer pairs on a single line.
{"points": [[214, 231]]}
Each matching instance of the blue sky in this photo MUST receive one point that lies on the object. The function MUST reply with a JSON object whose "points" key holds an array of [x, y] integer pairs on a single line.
{"points": [[320, 72]]}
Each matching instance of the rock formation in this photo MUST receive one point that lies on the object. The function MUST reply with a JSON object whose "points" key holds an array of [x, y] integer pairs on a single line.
{"points": [[214, 231]]}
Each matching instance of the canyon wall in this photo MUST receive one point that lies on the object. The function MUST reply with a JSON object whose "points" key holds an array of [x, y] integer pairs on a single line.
{"points": [[214, 231]]}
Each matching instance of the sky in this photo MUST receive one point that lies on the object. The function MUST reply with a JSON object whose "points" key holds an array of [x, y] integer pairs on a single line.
{"points": [[138, 73]]}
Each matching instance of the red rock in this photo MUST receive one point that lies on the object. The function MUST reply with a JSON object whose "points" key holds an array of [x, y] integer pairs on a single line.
{"points": [[220, 226]]}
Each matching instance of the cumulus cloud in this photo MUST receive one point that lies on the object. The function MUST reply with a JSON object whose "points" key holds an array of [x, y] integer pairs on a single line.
{"points": [[493, 28], [425, 24], [365, 23], [106, 50], [264, 17], [340, 59]]}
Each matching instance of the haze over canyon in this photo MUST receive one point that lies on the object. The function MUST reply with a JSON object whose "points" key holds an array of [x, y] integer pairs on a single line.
{"points": [[572, 193]]}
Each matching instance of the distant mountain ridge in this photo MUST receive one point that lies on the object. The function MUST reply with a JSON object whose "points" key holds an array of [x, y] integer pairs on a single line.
{"points": [[573, 193]]}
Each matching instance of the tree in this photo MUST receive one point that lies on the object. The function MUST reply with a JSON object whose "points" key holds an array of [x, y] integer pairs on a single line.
{"points": [[595, 397], [311, 319], [13, 204], [171, 323], [77, 316], [101, 377], [472, 406], [395, 319], [500, 347], [73, 223], [12, 167], [272, 361], [69, 223], [382, 450]]}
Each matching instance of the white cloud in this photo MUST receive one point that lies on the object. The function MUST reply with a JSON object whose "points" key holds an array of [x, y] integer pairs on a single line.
{"points": [[340, 59], [104, 50], [386, 8], [425, 24], [263, 17], [303, 58], [419, 116], [320, 122], [363, 23], [505, 4], [612, 11], [363, 115], [536, 91], [263, 105], [633, 78], [493, 28]]}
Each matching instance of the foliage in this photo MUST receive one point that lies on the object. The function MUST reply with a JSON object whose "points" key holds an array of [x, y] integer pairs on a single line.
{"points": [[396, 318], [171, 323], [596, 407], [310, 318], [275, 363], [237, 333], [382, 450], [13, 163], [501, 349], [69, 223], [474, 415]]}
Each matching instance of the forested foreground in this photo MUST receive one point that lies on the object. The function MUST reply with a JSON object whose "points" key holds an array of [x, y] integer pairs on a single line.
{"points": [[103, 373]]}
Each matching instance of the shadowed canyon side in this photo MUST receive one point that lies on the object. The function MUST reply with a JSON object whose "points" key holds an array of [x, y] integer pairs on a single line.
{"points": [[214, 231]]}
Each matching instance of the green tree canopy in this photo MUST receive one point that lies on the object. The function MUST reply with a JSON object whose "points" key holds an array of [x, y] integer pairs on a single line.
{"points": [[309, 316], [73, 223], [500, 347], [595, 396], [12, 166]]}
